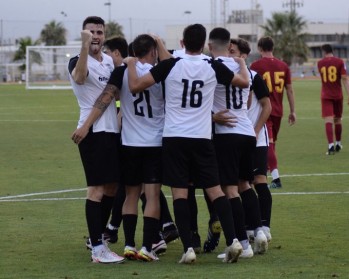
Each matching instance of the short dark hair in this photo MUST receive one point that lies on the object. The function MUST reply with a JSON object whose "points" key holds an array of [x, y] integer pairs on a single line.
{"points": [[118, 43], [327, 48], [266, 43], [243, 45], [93, 19], [220, 35], [142, 44], [194, 37]]}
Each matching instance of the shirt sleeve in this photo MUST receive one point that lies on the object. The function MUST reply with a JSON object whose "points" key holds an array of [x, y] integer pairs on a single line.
{"points": [[161, 70], [117, 76], [259, 87], [72, 63], [223, 74]]}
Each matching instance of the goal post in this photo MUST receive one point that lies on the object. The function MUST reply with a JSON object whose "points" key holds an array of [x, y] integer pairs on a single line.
{"points": [[47, 66]]}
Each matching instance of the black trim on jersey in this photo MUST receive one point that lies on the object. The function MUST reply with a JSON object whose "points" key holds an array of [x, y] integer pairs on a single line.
{"points": [[72, 64], [223, 74], [161, 70], [259, 87], [117, 76]]}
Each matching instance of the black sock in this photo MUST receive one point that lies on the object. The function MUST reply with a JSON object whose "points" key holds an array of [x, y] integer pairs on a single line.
{"points": [[225, 216], [182, 213], [150, 231], [107, 205], [144, 201], [239, 218], [116, 215], [210, 207], [93, 211], [250, 204], [193, 209], [165, 215], [265, 202], [129, 224]]}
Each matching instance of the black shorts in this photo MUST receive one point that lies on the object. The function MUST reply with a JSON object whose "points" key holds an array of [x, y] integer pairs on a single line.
{"points": [[260, 161], [141, 165], [99, 154], [188, 160], [235, 157]]}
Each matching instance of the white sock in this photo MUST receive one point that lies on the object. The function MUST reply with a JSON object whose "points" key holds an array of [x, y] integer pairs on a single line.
{"points": [[275, 174], [244, 243]]}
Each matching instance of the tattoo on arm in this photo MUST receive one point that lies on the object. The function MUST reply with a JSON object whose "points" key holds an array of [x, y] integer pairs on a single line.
{"points": [[106, 97]]}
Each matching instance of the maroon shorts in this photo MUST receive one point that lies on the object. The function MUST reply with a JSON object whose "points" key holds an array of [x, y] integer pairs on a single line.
{"points": [[273, 127], [332, 107]]}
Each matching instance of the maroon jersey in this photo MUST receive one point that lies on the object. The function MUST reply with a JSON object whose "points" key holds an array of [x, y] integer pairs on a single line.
{"points": [[276, 74], [331, 70]]}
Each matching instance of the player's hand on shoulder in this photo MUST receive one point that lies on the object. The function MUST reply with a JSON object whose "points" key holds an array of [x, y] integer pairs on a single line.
{"points": [[128, 60]]}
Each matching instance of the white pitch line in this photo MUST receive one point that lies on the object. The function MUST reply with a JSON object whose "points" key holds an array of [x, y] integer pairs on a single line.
{"points": [[38, 120], [169, 197], [17, 197], [314, 174], [42, 193]]}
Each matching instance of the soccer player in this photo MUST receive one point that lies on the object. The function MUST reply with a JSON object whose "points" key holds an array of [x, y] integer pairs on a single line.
{"points": [[277, 76], [117, 49], [142, 126], [258, 111], [235, 147], [89, 72], [188, 152], [333, 72]]}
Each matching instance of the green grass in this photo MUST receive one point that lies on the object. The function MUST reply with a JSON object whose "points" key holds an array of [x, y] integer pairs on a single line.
{"points": [[45, 238]]}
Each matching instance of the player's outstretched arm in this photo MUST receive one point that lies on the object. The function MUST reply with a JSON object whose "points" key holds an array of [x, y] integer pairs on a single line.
{"points": [[242, 78], [135, 83]]}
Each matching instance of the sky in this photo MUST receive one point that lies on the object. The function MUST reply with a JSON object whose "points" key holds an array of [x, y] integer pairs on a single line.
{"points": [[20, 18]]}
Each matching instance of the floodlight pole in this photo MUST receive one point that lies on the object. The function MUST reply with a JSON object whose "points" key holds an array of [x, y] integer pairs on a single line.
{"points": [[109, 9]]}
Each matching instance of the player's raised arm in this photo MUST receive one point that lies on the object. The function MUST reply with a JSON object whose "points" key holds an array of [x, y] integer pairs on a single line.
{"points": [[137, 84], [162, 50], [242, 78], [80, 71]]}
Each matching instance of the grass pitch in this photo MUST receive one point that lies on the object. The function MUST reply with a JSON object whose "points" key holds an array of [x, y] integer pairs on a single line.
{"points": [[42, 194]]}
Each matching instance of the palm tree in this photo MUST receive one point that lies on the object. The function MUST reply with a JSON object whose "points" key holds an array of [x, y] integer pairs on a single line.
{"points": [[21, 53], [113, 29], [287, 31], [54, 34]]}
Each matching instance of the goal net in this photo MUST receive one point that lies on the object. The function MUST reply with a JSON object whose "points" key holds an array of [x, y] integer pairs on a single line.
{"points": [[47, 66]]}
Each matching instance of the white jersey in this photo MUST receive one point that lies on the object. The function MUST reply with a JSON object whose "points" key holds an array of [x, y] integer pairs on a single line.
{"points": [[181, 52], [259, 91], [87, 93], [235, 100], [142, 113], [189, 83]]}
